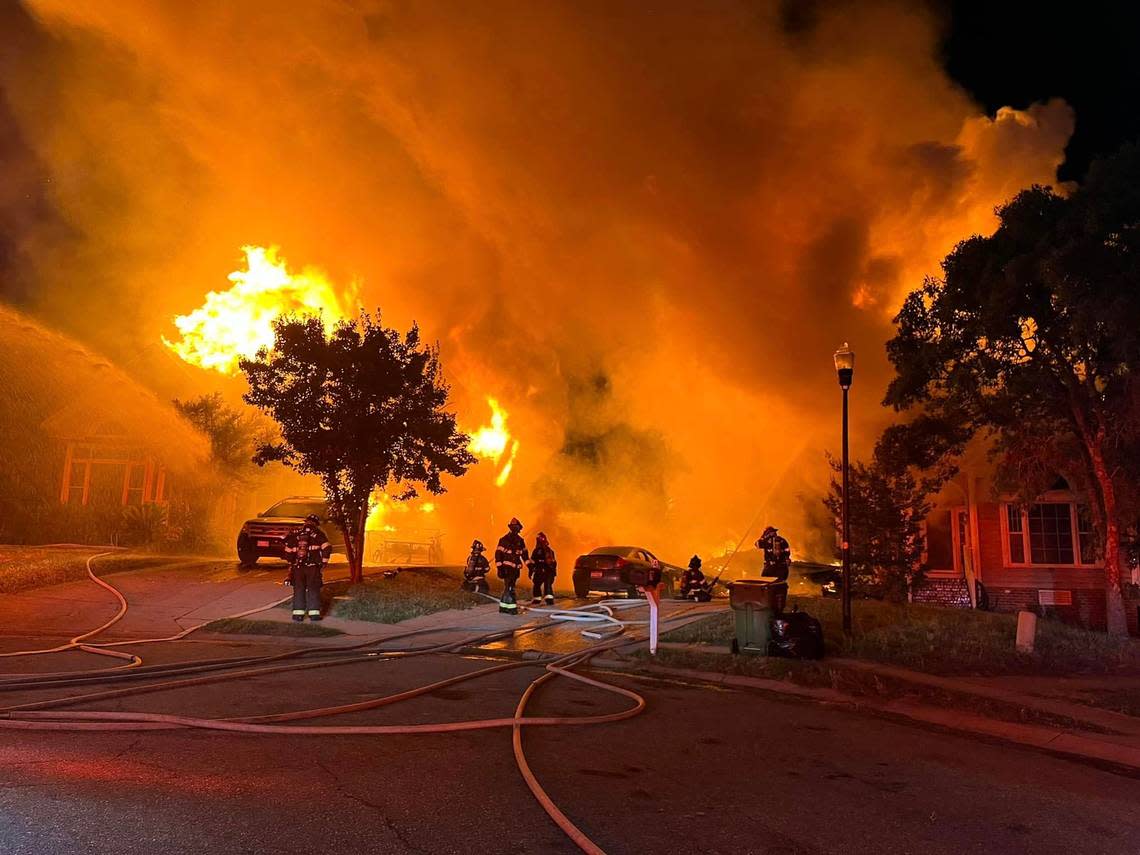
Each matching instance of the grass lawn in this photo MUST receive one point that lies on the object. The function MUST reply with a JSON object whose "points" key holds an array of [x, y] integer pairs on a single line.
{"points": [[240, 626], [410, 593], [25, 567], [946, 641]]}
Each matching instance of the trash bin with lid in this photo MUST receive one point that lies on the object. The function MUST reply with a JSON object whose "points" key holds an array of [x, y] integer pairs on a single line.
{"points": [[755, 603]]}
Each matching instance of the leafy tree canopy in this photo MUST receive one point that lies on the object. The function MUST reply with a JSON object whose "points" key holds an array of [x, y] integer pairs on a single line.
{"points": [[361, 407], [888, 505], [1033, 333], [233, 435]]}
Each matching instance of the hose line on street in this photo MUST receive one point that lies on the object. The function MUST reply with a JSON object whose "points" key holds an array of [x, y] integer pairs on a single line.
{"points": [[47, 715], [77, 641]]}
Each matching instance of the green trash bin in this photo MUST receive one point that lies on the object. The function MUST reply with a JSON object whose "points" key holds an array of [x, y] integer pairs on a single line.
{"points": [[751, 602]]}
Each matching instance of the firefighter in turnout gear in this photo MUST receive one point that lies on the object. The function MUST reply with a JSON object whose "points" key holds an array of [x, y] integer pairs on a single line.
{"points": [[308, 551], [510, 556], [777, 563], [542, 568], [693, 582], [476, 570], [777, 554]]}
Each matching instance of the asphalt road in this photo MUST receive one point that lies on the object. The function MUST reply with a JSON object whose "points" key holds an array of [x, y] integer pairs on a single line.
{"points": [[702, 770]]}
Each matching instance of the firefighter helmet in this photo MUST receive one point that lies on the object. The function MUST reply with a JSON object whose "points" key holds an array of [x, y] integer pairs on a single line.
{"points": [[477, 546], [313, 519], [768, 533], [695, 562], [541, 538], [514, 525]]}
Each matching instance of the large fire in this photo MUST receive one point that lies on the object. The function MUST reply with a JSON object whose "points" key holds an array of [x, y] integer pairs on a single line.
{"points": [[238, 322], [493, 442], [382, 507]]}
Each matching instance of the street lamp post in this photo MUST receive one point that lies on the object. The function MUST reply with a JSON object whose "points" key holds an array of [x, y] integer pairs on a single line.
{"points": [[845, 368]]}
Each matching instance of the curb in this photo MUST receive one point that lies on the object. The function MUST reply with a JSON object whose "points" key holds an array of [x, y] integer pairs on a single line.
{"points": [[1055, 740], [1108, 719]]}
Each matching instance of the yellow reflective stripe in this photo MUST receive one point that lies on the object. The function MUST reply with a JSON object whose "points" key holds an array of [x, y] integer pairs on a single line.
{"points": [[298, 611]]}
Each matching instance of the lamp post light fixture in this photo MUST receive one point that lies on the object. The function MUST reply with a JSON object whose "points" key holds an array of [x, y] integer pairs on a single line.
{"points": [[845, 369]]}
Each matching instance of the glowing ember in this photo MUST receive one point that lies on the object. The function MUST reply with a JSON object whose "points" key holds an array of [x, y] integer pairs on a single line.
{"points": [[238, 322], [493, 441]]}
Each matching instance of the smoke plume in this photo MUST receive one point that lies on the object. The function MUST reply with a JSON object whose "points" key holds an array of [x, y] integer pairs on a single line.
{"points": [[644, 228]]}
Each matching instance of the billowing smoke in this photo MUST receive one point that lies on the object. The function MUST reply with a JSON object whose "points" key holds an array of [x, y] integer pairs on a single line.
{"points": [[644, 228]]}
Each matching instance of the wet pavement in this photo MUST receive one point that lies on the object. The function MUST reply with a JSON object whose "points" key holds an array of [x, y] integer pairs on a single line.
{"points": [[701, 770], [569, 636], [707, 769]]}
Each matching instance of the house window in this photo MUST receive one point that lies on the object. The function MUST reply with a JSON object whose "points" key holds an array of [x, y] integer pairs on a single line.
{"points": [[1016, 535], [1049, 534], [134, 485], [79, 477], [98, 473]]}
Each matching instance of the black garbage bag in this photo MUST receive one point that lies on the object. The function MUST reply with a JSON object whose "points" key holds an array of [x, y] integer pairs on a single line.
{"points": [[796, 635]]}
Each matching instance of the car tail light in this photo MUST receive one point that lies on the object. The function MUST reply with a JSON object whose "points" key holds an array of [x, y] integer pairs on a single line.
{"points": [[619, 563]]}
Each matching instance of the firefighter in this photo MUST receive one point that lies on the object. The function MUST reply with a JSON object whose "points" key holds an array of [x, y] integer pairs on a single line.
{"points": [[308, 551], [510, 556], [777, 563], [777, 554], [693, 582], [542, 568], [475, 573]]}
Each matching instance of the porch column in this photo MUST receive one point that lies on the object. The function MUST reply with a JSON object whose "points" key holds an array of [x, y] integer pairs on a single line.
{"points": [[974, 565]]}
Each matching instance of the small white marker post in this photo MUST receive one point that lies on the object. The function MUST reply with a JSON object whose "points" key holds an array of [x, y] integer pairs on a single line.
{"points": [[651, 598]]}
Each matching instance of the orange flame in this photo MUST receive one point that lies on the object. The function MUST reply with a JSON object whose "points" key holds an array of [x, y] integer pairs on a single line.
{"points": [[493, 442], [236, 323], [381, 505]]}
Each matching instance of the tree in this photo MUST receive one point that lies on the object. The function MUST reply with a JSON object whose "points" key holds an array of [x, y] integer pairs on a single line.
{"points": [[359, 407], [234, 436], [888, 506], [1033, 333]]}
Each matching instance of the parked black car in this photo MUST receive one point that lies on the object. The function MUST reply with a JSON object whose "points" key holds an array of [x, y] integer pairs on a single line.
{"points": [[264, 536], [607, 570]]}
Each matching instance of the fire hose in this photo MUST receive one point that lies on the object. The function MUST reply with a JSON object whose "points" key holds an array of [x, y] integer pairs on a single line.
{"points": [[77, 641], [34, 716]]}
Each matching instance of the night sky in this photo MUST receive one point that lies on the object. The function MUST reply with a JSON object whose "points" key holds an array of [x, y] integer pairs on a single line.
{"points": [[1017, 53]]}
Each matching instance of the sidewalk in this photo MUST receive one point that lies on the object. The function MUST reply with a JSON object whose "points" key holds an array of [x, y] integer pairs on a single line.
{"points": [[1089, 746], [1116, 739], [548, 637], [1114, 722]]}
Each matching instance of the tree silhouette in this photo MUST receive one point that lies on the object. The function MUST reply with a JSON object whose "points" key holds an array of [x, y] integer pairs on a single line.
{"points": [[1034, 333], [360, 407]]}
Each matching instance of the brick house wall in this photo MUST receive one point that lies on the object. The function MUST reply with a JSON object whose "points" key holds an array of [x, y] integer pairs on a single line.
{"points": [[1015, 588], [970, 530], [943, 592], [1072, 594]]}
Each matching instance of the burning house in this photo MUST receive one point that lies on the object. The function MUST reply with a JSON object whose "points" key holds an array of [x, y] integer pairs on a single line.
{"points": [[82, 440]]}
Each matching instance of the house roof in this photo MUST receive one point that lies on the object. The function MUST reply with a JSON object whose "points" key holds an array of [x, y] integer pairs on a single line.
{"points": [[56, 386]]}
